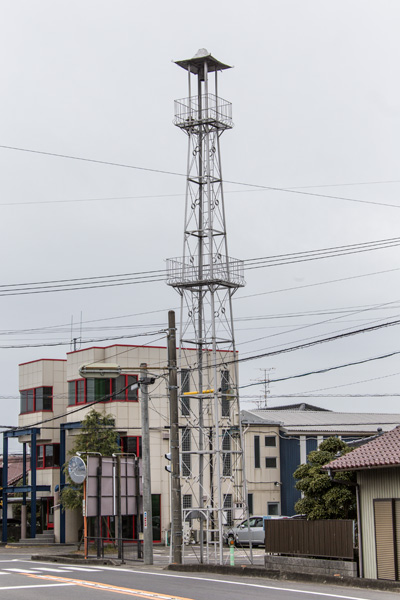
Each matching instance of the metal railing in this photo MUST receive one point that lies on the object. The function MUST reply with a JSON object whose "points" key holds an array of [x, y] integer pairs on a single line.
{"points": [[124, 548], [212, 110], [223, 270]]}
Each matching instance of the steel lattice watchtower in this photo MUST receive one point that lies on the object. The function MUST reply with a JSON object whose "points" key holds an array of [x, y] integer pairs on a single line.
{"points": [[212, 466]]}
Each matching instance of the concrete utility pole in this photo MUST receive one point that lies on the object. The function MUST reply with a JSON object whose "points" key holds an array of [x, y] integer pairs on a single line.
{"points": [[147, 510], [176, 505]]}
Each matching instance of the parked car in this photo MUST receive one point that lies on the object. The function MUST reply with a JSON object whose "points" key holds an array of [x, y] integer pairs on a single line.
{"points": [[252, 530]]}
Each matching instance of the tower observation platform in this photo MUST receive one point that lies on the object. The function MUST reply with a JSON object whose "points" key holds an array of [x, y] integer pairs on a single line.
{"points": [[206, 109], [223, 271]]}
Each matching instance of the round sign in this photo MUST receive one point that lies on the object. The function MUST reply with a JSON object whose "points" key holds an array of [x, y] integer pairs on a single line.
{"points": [[77, 469]]}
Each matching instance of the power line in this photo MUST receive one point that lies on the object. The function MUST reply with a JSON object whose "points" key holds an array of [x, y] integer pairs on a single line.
{"points": [[101, 281], [303, 193], [330, 320], [318, 283], [67, 343], [284, 259], [309, 344], [291, 396], [177, 195], [166, 172], [92, 160], [334, 387], [327, 369]]}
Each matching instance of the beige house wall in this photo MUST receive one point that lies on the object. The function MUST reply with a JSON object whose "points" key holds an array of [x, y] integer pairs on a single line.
{"points": [[263, 482], [374, 484], [43, 373]]}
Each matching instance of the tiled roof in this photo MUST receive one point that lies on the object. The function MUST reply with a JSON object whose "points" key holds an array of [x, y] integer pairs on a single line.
{"points": [[15, 467], [383, 451]]}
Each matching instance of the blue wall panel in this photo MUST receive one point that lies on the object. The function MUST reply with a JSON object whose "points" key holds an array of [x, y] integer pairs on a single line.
{"points": [[290, 460], [311, 444]]}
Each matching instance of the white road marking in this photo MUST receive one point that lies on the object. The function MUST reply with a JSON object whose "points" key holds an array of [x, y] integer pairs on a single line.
{"points": [[255, 585], [10, 560], [50, 570], [20, 570], [86, 569], [32, 587], [266, 587]]}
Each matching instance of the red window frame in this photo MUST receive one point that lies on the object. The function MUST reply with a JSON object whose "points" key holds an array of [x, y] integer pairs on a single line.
{"points": [[109, 386], [40, 468], [40, 387], [138, 450], [127, 391]]}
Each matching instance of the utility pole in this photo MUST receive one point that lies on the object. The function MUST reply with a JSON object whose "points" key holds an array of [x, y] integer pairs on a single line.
{"points": [[147, 510], [176, 505], [263, 403]]}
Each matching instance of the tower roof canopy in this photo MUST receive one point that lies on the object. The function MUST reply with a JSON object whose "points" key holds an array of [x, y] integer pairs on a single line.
{"points": [[197, 62]]}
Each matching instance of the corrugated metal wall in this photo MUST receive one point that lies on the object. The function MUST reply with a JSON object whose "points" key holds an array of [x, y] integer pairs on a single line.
{"points": [[374, 484], [290, 460], [311, 444]]}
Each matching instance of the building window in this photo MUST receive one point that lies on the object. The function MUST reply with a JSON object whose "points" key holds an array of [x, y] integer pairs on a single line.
{"points": [[36, 400], [273, 509], [84, 391], [185, 387], [187, 503], [257, 463], [121, 388], [227, 507], [186, 447], [225, 403], [226, 454], [47, 456], [80, 391], [250, 503], [270, 462], [132, 445], [270, 441]]}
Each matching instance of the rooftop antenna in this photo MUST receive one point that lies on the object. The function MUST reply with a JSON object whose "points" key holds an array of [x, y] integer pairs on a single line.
{"points": [[75, 341], [206, 279]]}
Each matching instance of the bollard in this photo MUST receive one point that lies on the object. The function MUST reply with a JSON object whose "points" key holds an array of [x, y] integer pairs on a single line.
{"points": [[232, 552]]}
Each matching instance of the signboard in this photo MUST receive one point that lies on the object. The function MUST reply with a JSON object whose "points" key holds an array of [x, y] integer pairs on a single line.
{"points": [[103, 485]]}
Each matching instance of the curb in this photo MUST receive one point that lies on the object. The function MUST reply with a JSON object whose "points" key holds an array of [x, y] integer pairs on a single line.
{"points": [[75, 560], [244, 571]]}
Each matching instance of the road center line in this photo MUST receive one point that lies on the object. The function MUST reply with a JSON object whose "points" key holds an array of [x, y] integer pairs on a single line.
{"points": [[109, 588]]}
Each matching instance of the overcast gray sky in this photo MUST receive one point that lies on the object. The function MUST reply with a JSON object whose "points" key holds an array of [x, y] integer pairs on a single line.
{"points": [[316, 102]]}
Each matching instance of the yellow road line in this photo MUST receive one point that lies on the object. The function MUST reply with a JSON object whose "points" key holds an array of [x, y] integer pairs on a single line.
{"points": [[108, 588]]}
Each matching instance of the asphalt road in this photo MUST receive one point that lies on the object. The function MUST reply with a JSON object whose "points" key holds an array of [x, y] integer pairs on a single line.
{"points": [[21, 578]]}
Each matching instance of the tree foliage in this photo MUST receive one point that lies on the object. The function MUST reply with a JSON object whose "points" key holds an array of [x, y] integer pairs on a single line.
{"points": [[98, 434], [322, 498]]}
